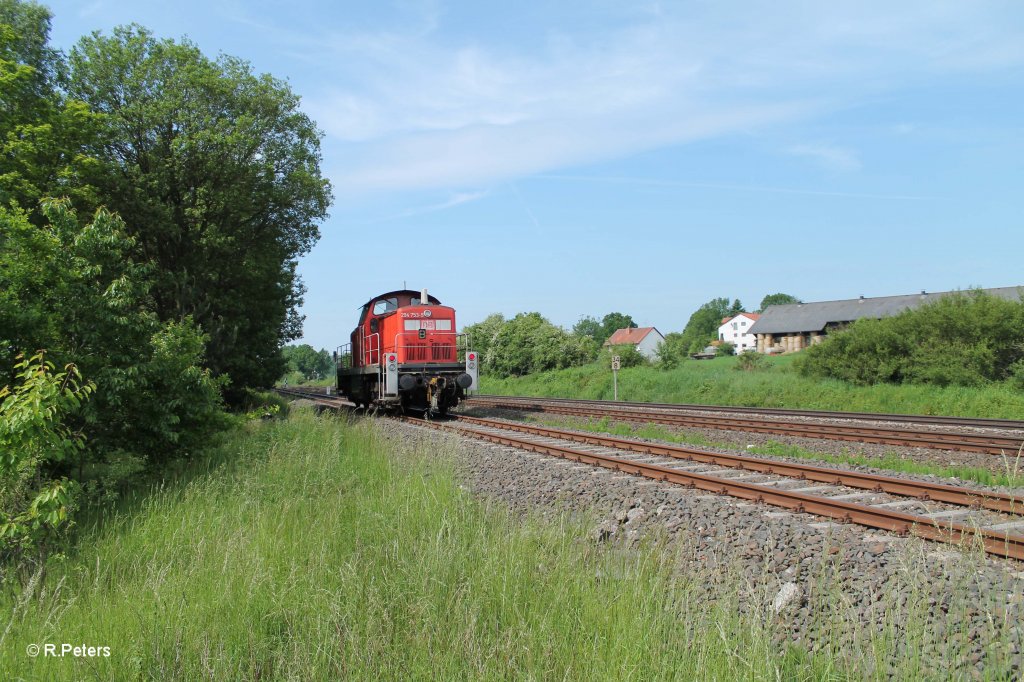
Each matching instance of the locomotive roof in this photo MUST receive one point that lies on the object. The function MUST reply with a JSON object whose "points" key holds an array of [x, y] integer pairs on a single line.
{"points": [[410, 292]]}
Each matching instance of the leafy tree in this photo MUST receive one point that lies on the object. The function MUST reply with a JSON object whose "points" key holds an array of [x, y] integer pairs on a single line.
{"points": [[965, 339], [77, 291], [629, 356], [777, 299], [42, 131], [529, 343], [702, 327], [725, 349], [482, 336], [33, 435], [673, 350], [216, 173], [589, 326], [613, 322], [308, 361], [602, 331]]}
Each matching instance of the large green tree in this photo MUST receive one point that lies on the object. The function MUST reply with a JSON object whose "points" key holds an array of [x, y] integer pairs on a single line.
{"points": [[777, 299], [702, 327], [77, 291], [216, 173], [526, 344], [601, 330], [308, 361], [44, 135]]}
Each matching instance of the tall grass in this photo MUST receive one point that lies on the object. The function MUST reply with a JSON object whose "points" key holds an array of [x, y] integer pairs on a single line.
{"points": [[713, 382], [307, 552]]}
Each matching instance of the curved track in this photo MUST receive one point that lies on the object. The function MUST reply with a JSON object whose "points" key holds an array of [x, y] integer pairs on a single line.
{"points": [[987, 443], [944, 513], [977, 422]]}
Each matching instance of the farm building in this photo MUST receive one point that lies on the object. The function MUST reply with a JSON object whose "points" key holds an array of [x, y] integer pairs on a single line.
{"points": [[793, 327], [645, 339], [736, 330]]}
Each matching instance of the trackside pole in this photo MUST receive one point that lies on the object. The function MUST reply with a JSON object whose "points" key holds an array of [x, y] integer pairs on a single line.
{"points": [[615, 375]]}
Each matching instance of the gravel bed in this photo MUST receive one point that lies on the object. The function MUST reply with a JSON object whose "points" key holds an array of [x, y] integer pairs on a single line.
{"points": [[744, 440], [793, 562], [797, 419]]}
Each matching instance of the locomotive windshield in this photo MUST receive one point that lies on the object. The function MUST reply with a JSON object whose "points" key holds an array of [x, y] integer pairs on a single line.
{"points": [[385, 305]]}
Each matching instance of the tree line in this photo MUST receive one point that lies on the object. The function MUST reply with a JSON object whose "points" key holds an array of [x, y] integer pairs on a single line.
{"points": [[153, 205], [529, 343]]}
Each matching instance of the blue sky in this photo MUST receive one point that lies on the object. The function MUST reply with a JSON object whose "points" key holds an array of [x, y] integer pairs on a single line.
{"points": [[577, 158]]}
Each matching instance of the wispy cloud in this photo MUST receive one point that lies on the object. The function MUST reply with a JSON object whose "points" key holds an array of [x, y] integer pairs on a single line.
{"points": [[830, 156], [457, 199], [653, 182], [425, 106]]}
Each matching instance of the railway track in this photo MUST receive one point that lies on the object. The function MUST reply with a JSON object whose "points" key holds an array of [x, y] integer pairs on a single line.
{"points": [[986, 443], [932, 511], [940, 420]]}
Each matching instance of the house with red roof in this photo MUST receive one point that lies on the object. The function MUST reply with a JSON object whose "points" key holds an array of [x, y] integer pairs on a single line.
{"points": [[736, 330], [645, 339]]}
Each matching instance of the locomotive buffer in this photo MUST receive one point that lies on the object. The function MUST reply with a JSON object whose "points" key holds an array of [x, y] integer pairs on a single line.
{"points": [[405, 354]]}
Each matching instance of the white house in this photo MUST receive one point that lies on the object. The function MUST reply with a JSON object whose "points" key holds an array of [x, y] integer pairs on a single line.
{"points": [[645, 339], [736, 330]]}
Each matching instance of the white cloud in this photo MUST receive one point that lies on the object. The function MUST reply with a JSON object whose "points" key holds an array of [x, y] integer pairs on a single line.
{"points": [[419, 108], [827, 155]]}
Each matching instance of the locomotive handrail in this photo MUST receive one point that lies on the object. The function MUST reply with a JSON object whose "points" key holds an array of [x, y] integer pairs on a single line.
{"points": [[371, 348], [459, 349], [343, 356]]}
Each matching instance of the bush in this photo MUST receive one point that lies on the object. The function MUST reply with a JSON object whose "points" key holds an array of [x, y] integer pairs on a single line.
{"points": [[33, 437], [749, 360], [529, 343], [725, 349], [965, 339], [77, 291], [629, 356]]}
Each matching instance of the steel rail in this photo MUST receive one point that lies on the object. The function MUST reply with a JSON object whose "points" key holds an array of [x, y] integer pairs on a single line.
{"points": [[922, 490], [998, 544], [941, 440], [980, 422], [995, 543]]}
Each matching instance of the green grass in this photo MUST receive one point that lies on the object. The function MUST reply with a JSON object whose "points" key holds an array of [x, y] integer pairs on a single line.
{"points": [[713, 382], [1012, 475], [305, 551]]}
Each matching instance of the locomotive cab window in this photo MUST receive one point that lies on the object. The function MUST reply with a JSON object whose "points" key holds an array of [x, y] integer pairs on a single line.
{"points": [[385, 305]]}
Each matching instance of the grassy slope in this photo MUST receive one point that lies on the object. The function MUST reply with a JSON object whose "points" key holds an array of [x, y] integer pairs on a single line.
{"points": [[310, 554], [712, 382]]}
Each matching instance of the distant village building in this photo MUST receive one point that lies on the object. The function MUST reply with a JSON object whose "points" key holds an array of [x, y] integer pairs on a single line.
{"points": [[645, 339], [795, 326], [736, 330]]}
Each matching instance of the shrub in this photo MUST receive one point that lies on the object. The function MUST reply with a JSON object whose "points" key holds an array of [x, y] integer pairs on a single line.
{"points": [[749, 360], [33, 437], [965, 339], [529, 343], [629, 356], [725, 349]]}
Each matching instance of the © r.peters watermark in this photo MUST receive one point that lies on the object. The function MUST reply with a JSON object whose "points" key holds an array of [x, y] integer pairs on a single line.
{"points": [[62, 650]]}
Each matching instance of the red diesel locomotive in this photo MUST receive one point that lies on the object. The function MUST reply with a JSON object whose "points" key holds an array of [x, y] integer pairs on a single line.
{"points": [[405, 353]]}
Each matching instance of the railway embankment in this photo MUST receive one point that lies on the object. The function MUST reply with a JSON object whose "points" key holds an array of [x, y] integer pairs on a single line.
{"points": [[869, 601], [775, 384]]}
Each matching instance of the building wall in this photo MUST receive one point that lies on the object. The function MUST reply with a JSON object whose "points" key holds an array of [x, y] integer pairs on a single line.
{"points": [[735, 332], [649, 346]]}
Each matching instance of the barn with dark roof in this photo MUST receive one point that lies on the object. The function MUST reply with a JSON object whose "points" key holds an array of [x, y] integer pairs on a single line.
{"points": [[793, 327]]}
